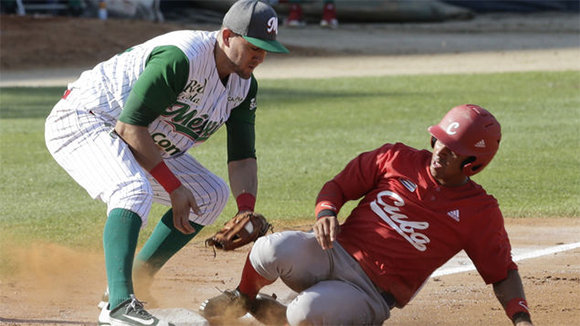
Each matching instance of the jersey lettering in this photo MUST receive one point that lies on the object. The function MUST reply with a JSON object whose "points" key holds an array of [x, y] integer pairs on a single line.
{"points": [[165, 144], [194, 91], [394, 218], [190, 123], [238, 99]]}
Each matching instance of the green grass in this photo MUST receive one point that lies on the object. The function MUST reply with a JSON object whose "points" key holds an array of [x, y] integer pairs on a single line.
{"points": [[307, 130]]}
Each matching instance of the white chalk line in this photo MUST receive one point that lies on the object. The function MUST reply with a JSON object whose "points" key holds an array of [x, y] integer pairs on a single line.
{"points": [[516, 258]]}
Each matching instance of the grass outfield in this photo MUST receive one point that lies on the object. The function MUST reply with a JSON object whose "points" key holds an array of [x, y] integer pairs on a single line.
{"points": [[307, 130]]}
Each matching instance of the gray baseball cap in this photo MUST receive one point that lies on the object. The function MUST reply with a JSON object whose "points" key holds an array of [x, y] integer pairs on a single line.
{"points": [[255, 21]]}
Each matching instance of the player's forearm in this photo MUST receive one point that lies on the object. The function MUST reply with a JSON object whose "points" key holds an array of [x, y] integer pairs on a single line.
{"points": [[330, 197], [510, 293], [141, 144], [243, 175]]}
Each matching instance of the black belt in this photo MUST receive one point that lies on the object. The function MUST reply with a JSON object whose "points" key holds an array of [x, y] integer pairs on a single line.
{"points": [[389, 299]]}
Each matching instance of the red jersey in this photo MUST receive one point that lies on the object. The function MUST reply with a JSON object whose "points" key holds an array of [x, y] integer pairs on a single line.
{"points": [[407, 225]]}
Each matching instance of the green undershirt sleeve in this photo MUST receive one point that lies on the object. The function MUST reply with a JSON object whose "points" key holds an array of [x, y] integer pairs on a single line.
{"points": [[165, 75], [240, 127]]}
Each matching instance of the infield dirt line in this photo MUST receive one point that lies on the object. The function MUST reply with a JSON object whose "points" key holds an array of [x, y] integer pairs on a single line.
{"points": [[358, 66]]}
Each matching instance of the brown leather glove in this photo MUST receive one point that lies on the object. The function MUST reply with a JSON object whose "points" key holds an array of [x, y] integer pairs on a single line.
{"points": [[242, 229]]}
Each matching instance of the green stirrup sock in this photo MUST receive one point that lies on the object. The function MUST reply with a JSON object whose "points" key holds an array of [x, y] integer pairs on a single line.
{"points": [[120, 241], [164, 242]]}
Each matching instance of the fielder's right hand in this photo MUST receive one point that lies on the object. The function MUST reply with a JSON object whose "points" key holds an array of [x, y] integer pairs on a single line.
{"points": [[182, 201]]}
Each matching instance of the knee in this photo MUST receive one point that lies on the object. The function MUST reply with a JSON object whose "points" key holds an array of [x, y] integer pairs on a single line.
{"points": [[302, 311], [133, 195], [333, 303], [277, 254], [262, 252], [278, 246], [264, 257], [214, 201]]}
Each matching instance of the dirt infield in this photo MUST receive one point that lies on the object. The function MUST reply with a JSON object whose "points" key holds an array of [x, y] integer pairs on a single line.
{"points": [[60, 285]]}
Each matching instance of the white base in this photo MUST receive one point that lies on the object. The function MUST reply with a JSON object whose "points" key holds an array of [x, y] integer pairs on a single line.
{"points": [[180, 317]]}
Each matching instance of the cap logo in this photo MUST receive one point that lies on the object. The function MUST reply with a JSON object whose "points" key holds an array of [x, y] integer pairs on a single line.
{"points": [[480, 144], [451, 129], [273, 25]]}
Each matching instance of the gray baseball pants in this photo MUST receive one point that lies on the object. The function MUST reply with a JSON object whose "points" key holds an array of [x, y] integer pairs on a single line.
{"points": [[332, 287]]}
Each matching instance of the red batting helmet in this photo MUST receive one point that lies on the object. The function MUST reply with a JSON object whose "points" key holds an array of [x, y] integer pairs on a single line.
{"points": [[469, 130]]}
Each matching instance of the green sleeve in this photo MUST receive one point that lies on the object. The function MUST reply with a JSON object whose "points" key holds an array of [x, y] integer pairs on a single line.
{"points": [[165, 75], [240, 127]]}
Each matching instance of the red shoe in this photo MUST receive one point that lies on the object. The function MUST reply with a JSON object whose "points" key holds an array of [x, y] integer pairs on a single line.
{"points": [[295, 16], [329, 16]]}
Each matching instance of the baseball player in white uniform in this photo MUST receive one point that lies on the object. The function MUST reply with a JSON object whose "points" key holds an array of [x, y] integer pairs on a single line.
{"points": [[123, 129]]}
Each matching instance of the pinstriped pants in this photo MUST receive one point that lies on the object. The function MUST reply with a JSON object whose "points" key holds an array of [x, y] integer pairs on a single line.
{"points": [[102, 163]]}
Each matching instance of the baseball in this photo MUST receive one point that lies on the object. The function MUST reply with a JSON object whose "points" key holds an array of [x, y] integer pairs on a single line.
{"points": [[249, 227]]}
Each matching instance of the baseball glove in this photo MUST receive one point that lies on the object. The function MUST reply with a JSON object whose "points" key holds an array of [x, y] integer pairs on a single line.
{"points": [[242, 229]]}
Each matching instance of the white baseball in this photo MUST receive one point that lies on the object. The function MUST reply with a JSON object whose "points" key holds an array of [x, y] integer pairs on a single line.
{"points": [[249, 227]]}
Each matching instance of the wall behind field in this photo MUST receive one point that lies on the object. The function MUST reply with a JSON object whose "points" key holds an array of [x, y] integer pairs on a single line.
{"points": [[517, 6]]}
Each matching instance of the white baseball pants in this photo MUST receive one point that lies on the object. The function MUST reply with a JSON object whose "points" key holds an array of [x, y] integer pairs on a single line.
{"points": [[102, 163]]}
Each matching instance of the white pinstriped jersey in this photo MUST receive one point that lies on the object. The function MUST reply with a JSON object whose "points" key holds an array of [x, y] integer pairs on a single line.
{"points": [[201, 108]]}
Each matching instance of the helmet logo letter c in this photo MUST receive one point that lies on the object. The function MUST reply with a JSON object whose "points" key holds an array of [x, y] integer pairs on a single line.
{"points": [[451, 128]]}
